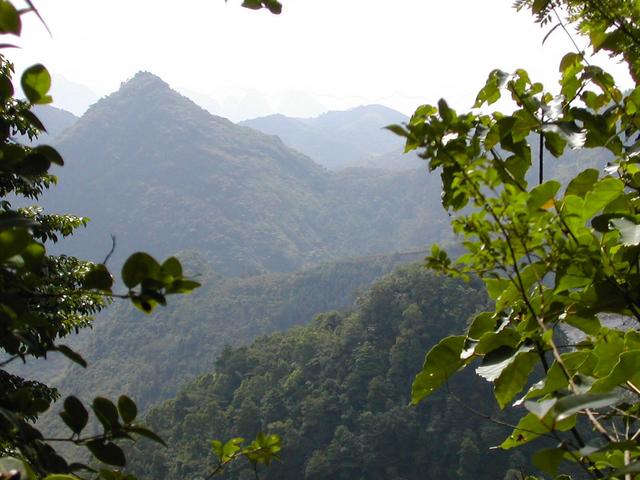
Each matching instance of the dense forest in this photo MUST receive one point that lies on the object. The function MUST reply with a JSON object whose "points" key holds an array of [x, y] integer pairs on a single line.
{"points": [[173, 345], [337, 391]]}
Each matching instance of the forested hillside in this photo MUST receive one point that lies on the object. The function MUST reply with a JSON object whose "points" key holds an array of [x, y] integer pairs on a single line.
{"points": [[157, 354], [337, 391], [171, 176]]}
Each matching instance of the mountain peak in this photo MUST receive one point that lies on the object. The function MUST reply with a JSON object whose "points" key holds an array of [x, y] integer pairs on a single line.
{"points": [[144, 79]]}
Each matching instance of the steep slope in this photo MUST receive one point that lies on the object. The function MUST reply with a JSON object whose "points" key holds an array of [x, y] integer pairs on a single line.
{"points": [[182, 341], [72, 96], [337, 392], [342, 139], [155, 356], [152, 168], [56, 121]]}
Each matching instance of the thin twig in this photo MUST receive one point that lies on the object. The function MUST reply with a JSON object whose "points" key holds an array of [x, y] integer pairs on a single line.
{"points": [[8, 361], [113, 249]]}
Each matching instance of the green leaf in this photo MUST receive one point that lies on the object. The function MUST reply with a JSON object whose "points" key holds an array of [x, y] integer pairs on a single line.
{"points": [[13, 219], [127, 408], [145, 432], [398, 130], [31, 117], [496, 361], [481, 324], [50, 153], [570, 60], [33, 255], [514, 377], [216, 445], [627, 367], [6, 88], [9, 19], [232, 447], [582, 183], [442, 361], [72, 355], [531, 427], [139, 267], [263, 449], [106, 412], [554, 143], [59, 476], [571, 404], [183, 286], [603, 192], [573, 278], [98, 278], [542, 194], [548, 460], [74, 414], [173, 267], [34, 164], [107, 452], [496, 286], [490, 93], [272, 5], [504, 337], [36, 83], [589, 325], [445, 111], [13, 241], [529, 276]]}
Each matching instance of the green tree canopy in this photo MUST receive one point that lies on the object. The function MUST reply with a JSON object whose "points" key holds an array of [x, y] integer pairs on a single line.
{"points": [[558, 260]]}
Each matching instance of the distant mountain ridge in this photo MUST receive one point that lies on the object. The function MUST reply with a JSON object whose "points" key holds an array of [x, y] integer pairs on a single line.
{"points": [[160, 173], [343, 139], [56, 121]]}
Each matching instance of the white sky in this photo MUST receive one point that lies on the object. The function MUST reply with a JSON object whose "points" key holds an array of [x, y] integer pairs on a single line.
{"points": [[317, 55]]}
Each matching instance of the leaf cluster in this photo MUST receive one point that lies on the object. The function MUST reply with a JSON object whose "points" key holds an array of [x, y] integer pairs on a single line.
{"points": [[44, 298], [556, 259]]}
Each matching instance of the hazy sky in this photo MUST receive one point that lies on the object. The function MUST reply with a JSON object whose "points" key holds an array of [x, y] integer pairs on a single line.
{"points": [[317, 55]]}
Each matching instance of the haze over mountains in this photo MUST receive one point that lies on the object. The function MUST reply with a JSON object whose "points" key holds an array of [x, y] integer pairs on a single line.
{"points": [[255, 211], [152, 168], [343, 139], [164, 175]]}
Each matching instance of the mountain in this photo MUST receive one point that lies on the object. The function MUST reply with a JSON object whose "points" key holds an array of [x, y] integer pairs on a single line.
{"points": [[182, 341], [156, 355], [160, 173], [342, 139], [71, 96], [337, 392], [56, 121]]}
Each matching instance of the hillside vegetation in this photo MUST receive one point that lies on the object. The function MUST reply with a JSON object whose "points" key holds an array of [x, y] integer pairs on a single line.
{"points": [[338, 392], [157, 354], [152, 168]]}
